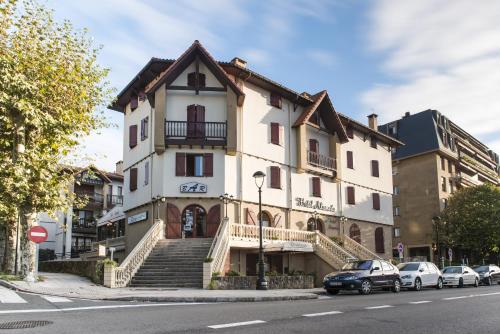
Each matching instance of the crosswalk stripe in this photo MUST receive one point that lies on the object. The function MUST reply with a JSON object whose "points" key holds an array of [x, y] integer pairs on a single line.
{"points": [[377, 307], [236, 324], [56, 299], [321, 313], [10, 297]]}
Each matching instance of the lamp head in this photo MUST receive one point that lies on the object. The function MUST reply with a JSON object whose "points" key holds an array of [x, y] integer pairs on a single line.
{"points": [[259, 178]]}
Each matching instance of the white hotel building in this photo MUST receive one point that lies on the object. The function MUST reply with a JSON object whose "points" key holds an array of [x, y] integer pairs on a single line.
{"points": [[196, 128]]}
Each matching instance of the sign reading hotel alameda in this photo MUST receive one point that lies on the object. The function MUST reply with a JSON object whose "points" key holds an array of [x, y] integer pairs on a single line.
{"points": [[137, 217], [316, 205], [193, 187]]}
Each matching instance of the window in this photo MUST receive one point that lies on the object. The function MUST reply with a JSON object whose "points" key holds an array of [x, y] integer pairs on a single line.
{"points": [[445, 203], [275, 100], [395, 170], [132, 136], [355, 233], [443, 163], [146, 173], [397, 232], [375, 168], [316, 186], [191, 80], [144, 128], [452, 188], [133, 179], [313, 145], [392, 130], [379, 240], [373, 141], [110, 189], [450, 166], [443, 183], [350, 132], [275, 177], [386, 266], [134, 102], [194, 164], [275, 133], [350, 196], [395, 190], [376, 264], [120, 191], [397, 211], [266, 219], [376, 201], [350, 160]]}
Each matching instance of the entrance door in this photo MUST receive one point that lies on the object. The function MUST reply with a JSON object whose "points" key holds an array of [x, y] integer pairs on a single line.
{"points": [[194, 222]]}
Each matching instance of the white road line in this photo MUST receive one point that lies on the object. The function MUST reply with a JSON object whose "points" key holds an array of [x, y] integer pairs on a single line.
{"points": [[10, 297], [320, 314], [236, 324], [377, 307], [420, 302], [488, 294], [453, 298], [324, 297], [56, 299], [89, 308]]}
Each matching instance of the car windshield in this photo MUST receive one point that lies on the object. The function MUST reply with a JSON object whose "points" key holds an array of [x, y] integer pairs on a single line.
{"points": [[409, 266], [452, 270], [482, 269], [358, 265]]}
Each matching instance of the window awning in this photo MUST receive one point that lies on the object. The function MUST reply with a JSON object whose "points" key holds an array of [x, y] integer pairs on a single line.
{"points": [[111, 216]]}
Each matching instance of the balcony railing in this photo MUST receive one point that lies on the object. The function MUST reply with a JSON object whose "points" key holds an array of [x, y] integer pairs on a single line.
{"points": [[92, 197], [208, 133], [321, 161], [84, 225], [115, 200]]}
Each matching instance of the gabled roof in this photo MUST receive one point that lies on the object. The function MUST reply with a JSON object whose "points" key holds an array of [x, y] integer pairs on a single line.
{"points": [[323, 104], [196, 49], [366, 129]]}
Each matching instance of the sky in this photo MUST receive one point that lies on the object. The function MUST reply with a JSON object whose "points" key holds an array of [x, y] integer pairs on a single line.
{"points": [[387, 56]]}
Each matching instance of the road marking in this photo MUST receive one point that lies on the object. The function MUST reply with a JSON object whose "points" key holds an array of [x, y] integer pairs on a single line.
{"points": [[420, 302], [56, 299], [453, 298], [89, 308], [320, 314], [377, 307], [324, 297], [236, 324], [10, 297], [488, 294]]}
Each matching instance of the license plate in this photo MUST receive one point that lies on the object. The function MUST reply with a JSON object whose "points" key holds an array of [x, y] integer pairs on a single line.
{"points": [[335, 283]]}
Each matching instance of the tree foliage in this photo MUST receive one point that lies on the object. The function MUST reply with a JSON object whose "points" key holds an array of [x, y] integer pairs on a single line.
{"points": [[473, 219]]}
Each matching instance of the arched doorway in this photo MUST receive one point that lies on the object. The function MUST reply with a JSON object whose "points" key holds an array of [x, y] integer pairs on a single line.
{"points": [[266, 219], [315, 224], [355, 233], [194, 221]]}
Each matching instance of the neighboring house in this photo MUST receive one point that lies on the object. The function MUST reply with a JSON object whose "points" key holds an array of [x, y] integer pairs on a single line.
{"points": [[438, 157], [196, 128], [73, 232]]}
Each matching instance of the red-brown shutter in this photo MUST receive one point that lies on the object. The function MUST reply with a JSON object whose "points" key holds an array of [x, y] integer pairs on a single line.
{"points": [[133, 179], [180, 164], [275, 177], [350, 161], [251, 217], [316, 185], [313, 145], [201, 80], [379, 240], [132, 136], [191, 119], [275, 133], [173, 221], [350, 195], [375, 168], [213, 220], [200, 121], [208, 164], [350, 132], [191, 79], [376, 201], [373, 141], [134, 102], [276, 100]]}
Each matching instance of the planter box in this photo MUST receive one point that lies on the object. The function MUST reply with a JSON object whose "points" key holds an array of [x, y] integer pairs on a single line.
{"points": [[274, 282]]}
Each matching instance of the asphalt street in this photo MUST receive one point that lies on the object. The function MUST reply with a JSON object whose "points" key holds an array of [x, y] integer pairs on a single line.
{"points": [[466, 310]]}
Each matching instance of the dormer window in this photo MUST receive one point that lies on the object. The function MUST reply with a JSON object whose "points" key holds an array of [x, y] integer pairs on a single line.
{"points": [[192, 79]]}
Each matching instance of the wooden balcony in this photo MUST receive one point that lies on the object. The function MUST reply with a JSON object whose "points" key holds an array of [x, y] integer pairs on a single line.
{"points": [[321, 161], [195, 133]]}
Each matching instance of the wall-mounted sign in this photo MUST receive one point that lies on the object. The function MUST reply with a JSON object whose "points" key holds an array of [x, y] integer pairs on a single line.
{"points": [[137, 217], [193, 187], [316, 205]]}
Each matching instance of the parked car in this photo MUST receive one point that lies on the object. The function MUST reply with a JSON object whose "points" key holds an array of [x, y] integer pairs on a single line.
{"points": [[416, 275], [488, 274], [364, 276], [459, 276]]}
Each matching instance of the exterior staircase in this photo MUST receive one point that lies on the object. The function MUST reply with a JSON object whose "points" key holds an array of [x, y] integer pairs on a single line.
{"points": [[174, 263]]}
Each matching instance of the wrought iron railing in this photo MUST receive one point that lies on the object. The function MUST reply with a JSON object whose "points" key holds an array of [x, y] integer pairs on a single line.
{"points": [[115, 200], [195, 130], [321, 161]]}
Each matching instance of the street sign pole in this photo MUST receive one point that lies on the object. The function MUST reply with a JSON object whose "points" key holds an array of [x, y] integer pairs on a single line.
{"points": [[401, 250], [36, 234]]}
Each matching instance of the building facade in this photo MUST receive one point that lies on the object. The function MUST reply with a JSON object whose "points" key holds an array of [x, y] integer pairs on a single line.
{"points": [[196, 128], [438, 158]]}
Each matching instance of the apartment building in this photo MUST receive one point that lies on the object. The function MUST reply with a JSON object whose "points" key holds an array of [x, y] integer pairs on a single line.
{"points": [[196, 129], [438, 158]]}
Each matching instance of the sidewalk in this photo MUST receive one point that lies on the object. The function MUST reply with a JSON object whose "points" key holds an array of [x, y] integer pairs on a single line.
{"points": [[72, 286]]}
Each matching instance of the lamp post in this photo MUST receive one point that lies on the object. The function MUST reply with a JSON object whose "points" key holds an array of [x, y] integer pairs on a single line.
{"points": [[261, 281], [226, 199], [343, 220], [436, 222], [315, 217]]}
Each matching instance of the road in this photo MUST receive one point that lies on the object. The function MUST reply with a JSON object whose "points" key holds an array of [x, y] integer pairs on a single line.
{"points": [[467, 310]]}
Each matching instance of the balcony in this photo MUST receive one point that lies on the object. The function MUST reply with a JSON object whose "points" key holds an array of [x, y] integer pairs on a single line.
{"points": [[195, 133], [84, 225], [93, 200], [321, 161], [113, 200]]}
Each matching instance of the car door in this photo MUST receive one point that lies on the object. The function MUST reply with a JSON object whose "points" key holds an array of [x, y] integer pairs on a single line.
{"points": [[432, 274], [377, 274], [468, 275], [424, 273], [388, 274], [495, 275]]}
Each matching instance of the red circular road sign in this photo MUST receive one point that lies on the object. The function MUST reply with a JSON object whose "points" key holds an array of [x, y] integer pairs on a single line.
{"points": [[38, 234]]}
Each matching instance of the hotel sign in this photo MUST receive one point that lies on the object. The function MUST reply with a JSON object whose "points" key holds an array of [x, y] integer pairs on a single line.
{"points": [[137, 217], [193, 187], [315, 205]]}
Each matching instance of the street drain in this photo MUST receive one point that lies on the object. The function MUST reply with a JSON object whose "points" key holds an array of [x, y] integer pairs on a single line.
{"points": [[24, 324]]}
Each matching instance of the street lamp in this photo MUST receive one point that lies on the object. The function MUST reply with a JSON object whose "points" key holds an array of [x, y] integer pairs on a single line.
{"points": [[261, 281], [315, 217], [226, 199], [343, 220]]}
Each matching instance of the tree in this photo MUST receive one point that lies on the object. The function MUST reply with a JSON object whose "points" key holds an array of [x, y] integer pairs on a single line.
{"points": [[50, 88], [473, 220]]}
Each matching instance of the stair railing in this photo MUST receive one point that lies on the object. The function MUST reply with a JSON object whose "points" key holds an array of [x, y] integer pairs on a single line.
{"points": [[331, 252], [358, 250], [118, 277], [217, 254]]}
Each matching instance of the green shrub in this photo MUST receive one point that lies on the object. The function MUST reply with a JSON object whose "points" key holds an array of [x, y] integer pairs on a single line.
{"points": [[233, 273], [208, 259], [216, 274]]}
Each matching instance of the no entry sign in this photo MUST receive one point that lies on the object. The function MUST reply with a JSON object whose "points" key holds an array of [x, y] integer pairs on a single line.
{"points": [[38, 234]]}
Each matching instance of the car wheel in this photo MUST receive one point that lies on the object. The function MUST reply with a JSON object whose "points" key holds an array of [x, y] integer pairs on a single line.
{"points": [[418, 284], [366, 287], [489, 282], [332, 292], [460, 283], [439, 284], [476, 283], [396, 287]]}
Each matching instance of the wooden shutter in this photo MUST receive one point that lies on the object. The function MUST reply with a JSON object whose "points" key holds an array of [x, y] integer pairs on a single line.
{"points": [[350, 195], [191, 119], [200, 121], [313, 145], [191, 79], [213, 220], [373, 141], [350, 161], [134, 102], [173, 221], [133, 179], [251, 218], [208, 164], [376, 201], [202, 82], [132, 136], [375, 168], [316, 186], [349, 131], [275, 177], [379, 240], [275, 133], [180, 164], [276, 100]]}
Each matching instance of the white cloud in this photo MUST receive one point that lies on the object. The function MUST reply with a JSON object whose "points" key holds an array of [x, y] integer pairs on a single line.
{"points": [[442, 55], [256, 56], [322, 57]]}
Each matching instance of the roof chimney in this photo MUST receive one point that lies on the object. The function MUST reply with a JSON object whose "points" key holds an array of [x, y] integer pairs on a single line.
{"points": [[119, 167], [372, 122], [239, 62], [407, 114]]}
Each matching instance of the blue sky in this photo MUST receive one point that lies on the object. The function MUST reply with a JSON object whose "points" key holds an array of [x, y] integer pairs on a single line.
{"points": [[386, 57]]}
